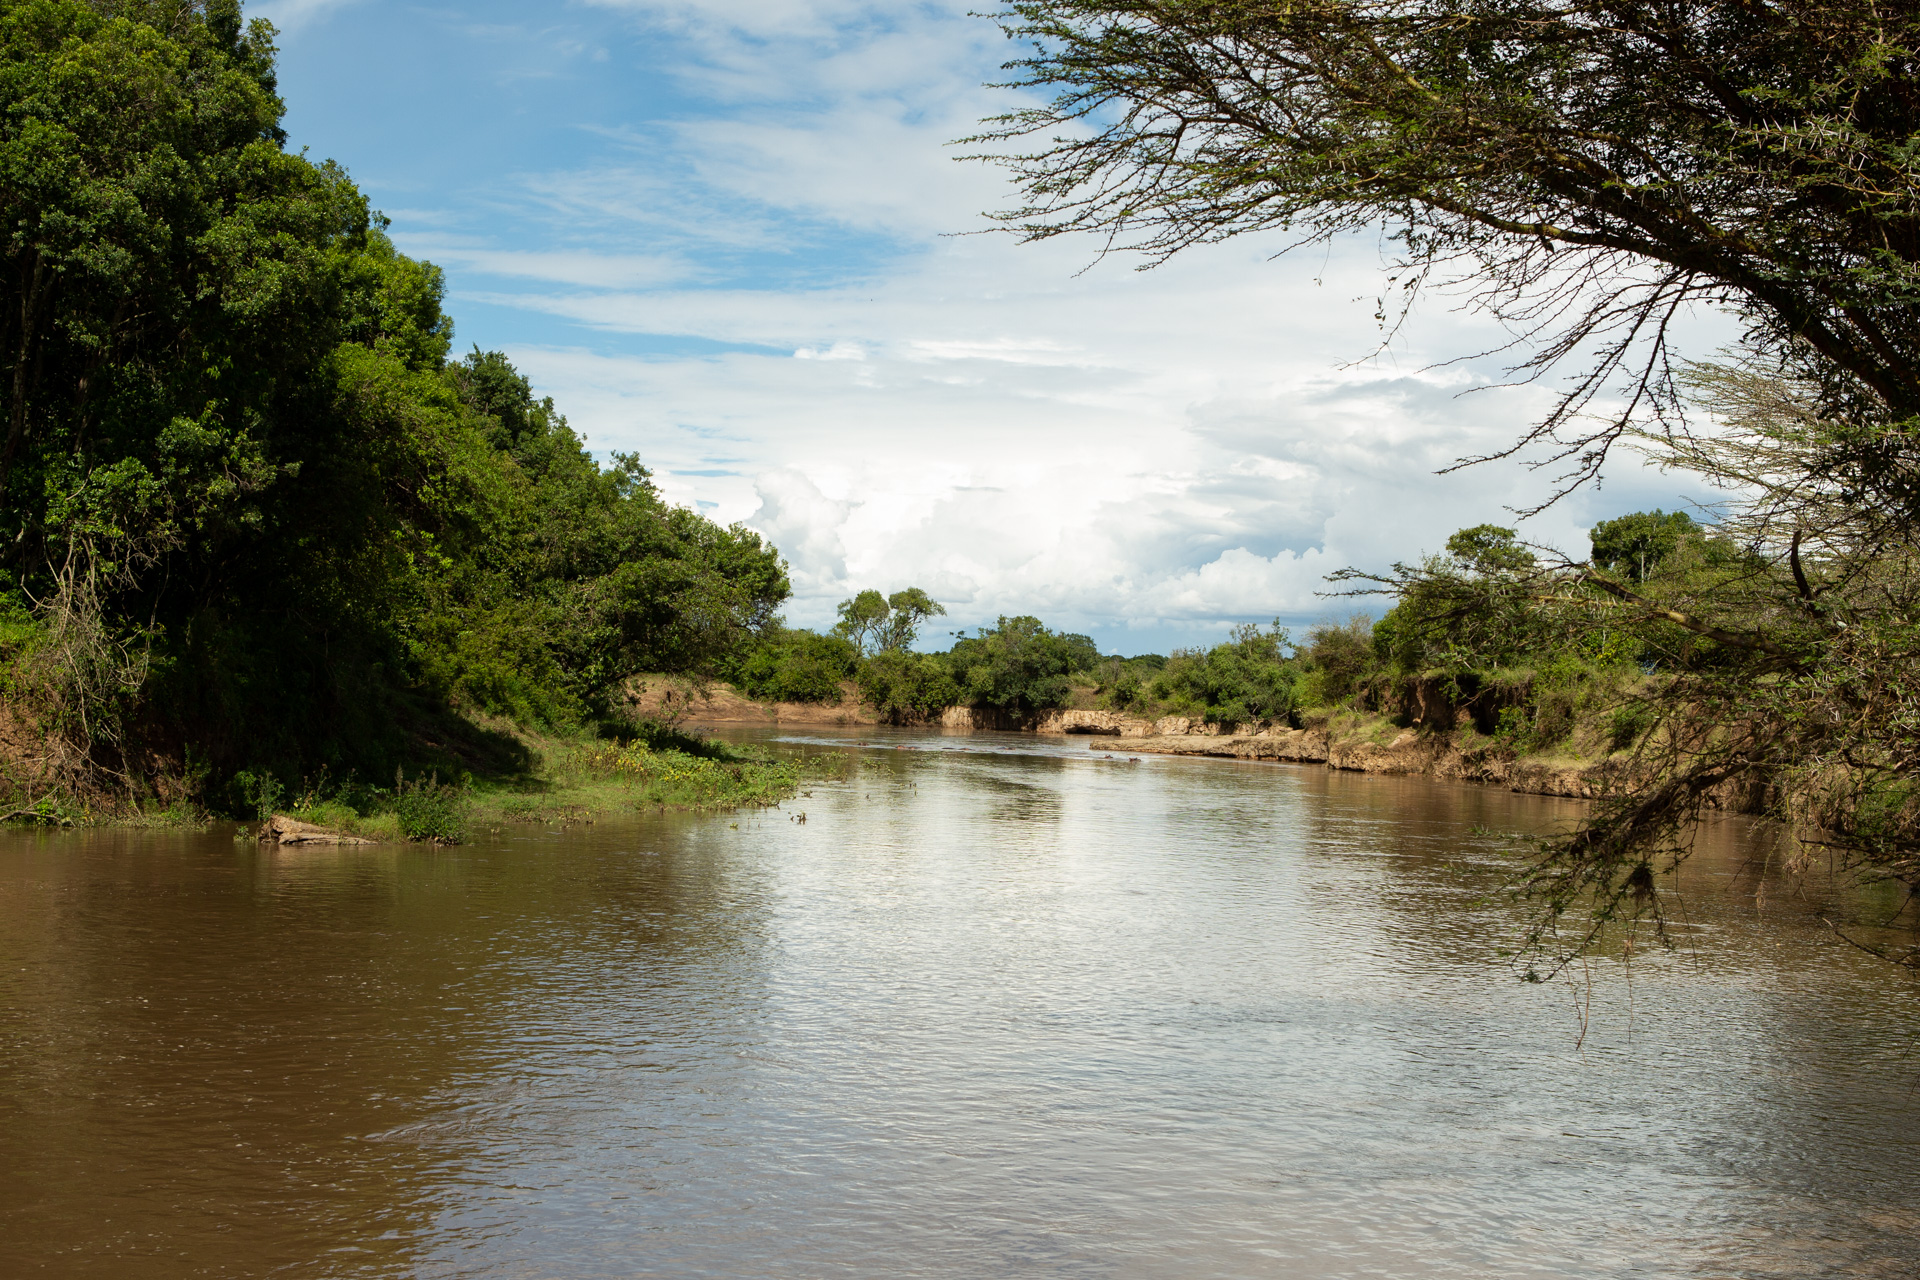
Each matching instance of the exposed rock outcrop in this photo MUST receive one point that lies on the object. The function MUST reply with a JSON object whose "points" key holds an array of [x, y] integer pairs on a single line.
{"points": [[1118, 724], [1433, 754], [282, 830], [978, 719]]}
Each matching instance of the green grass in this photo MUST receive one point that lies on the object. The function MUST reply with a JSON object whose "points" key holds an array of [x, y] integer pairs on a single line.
{"points": [[574, 780]]}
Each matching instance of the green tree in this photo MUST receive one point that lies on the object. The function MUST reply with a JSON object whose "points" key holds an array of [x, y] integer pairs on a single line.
{"points": [[1338, 656], [1633, 545], [875, 623], [1247, 679], [863, 621], [1019, 666], [908, 687], [1489, 551], [907, 611], [260, 516], [797, 666]]}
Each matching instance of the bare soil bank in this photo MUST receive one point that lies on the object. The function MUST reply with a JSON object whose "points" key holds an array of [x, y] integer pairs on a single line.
{"points": [[675, 698]]}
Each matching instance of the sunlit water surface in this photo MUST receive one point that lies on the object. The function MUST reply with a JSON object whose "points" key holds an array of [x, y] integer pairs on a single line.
{"points": [[1011, 1010]]}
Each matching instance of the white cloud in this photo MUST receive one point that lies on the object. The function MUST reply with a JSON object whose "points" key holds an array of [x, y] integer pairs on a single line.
{"points": [[1176, 448], [1161, 451]]}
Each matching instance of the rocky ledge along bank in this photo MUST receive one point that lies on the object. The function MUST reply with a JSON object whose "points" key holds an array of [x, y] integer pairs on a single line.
{"points": [[282, 830], [1434, 754]]}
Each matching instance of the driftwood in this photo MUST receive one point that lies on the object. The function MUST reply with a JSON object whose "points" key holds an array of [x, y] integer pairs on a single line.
{"points": [[280, 829]]}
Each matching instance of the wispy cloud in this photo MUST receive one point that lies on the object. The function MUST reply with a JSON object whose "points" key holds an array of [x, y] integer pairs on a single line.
{"points": [[580, 267]]}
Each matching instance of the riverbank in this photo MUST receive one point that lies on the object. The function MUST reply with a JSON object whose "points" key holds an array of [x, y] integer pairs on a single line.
{"points": [[558, 778], [1406, 751], [574, 780], [1343, 739]]}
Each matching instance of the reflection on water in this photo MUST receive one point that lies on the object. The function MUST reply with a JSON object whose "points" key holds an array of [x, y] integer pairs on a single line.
{"points": [[1013, 1009]]}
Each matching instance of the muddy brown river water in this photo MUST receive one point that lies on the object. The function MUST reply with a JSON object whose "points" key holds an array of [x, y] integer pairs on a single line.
{"points": [[1006, 1011]]}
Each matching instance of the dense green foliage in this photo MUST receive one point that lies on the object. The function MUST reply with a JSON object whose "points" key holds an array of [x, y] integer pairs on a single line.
{"points": [[1250, 678], [906, 686], [793, 665], [874, 623], [429, 809], [257, 517], [1631, 546], [1017, 667]]}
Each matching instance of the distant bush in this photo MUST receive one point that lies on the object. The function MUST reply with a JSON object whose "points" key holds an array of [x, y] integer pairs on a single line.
{"points": [[1125, 684], [798, 666], [258, 794], [1019, 666], [902, 685], [1635, 545], [1337, 657], [1248, 678]]}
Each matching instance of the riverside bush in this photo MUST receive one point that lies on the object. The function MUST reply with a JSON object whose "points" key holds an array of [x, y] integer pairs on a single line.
{"points": [[263, 518], [1247, 679], [902, 685], [430, 809], [797, 666]]}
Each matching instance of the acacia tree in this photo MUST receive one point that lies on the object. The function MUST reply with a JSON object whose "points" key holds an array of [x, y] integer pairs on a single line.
{"points": [[1587, 170], [877, 624], [1593, 168]]}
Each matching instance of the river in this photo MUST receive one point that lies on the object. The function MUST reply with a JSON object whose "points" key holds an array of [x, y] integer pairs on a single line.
{"points": [[1014, 1009]]}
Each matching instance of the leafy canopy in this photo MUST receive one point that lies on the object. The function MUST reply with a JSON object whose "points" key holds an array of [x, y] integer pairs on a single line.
{"points": [[874, 623], [261, 517], [1586, 171]]}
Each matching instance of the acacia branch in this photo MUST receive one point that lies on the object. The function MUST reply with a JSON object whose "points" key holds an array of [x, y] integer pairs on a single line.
{"points": [[1750, 640]]}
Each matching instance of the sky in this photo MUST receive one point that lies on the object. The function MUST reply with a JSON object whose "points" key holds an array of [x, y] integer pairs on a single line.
{"points": [[733, 237]]}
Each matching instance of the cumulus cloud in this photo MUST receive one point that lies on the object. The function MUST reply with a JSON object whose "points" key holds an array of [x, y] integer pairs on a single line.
{"points": [[757, 291], [1171, 450]]}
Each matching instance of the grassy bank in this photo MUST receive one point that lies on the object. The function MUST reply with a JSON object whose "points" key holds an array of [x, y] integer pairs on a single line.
{"points": [[568, 778], [574, 779]]}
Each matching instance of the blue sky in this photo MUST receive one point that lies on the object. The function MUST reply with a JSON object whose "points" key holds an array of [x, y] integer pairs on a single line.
{"points": [[731, 236]]}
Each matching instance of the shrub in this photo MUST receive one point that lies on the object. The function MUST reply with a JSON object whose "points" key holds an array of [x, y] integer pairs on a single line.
{"points": [[1338, 656], [256, 793], [1248, 678], [1626, 724], [798, 666], [1019, 666], [1540, 724], [430, 809], [902, 685], [1127, 683]]}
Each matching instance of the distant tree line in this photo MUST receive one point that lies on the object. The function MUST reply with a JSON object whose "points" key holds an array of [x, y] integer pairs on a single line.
{"points": [[1512, 641]]}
